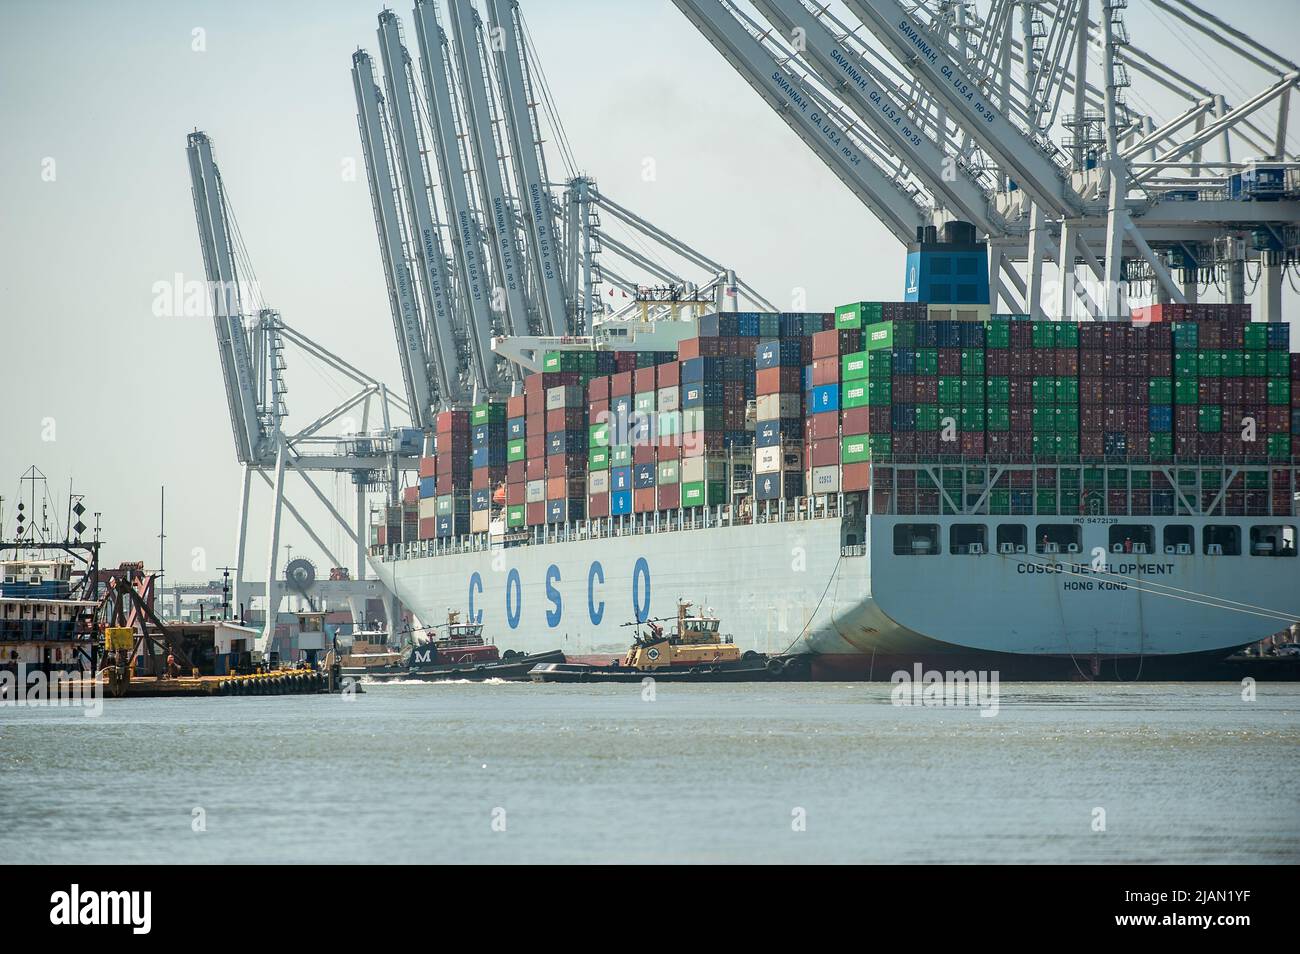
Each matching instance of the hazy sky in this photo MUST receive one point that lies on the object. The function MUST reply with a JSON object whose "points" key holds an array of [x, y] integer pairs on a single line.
{"points": [[108, 91]]}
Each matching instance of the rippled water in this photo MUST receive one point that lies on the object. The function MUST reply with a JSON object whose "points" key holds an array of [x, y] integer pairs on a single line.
{"points": [[428, 772]]}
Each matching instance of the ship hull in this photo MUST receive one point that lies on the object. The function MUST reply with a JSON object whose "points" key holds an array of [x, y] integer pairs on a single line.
{"points": [[864, 611]]}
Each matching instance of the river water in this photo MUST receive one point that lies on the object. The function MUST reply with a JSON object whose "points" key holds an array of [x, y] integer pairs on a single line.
{"points": [[765, 773]]}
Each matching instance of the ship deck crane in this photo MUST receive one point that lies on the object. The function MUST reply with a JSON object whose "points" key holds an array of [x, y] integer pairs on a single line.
{"points": [[467, 239], [494, 198], [783, 90], [438, 295], [529, 160], [397, 270]]}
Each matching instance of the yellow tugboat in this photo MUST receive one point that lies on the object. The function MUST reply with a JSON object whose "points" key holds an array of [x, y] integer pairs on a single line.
{"points": [[695, 651]]}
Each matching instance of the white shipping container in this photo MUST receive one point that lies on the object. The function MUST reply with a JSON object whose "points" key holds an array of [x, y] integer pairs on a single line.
{"points": [[535, 491], [479, 520], [824, 480], [566, 395], [428, 508], [767, 460], [598, 482], [771, 407], [668, 399], [702, 468]]}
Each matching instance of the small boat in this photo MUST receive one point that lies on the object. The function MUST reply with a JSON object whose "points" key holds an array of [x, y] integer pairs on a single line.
{"points": [[696, 651], [458, 651]]}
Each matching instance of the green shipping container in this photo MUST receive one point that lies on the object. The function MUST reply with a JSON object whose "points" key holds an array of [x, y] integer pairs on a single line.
{"points": [[880, 335], [880, 393], [703, 493], [927, 361], [1256, 336], [1160, 390], [598, 435], [1279, 390], [855, 393], [997, 334], [1185, 391], [1044, 392], [620, 456], [999, 417], [972, 362], [880, 362], [515, 515], [999, 502], [1279, 446], [1160, 445], [598, 459], [854, 450], [854, 366], [487, 414], [1254, 364], [927, 417], [668, 472], [998, 389], [1209, 418], [972, 390], [1279, 363], [644, 403], [856, 314], [516, 450]]}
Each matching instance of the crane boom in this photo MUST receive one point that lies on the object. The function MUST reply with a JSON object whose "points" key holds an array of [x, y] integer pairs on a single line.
{"points": [[870, 97], [435, 67], [529, 166], [493, 199], [401, 294], [436, 285], [211, 214], [936, 69], [875, 188]]}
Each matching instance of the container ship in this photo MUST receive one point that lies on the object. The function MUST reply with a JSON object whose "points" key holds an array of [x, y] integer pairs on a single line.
{"points": [[892, 484]]}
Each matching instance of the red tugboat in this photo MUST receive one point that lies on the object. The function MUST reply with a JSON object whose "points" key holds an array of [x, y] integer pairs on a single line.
{"points": [[457, 650]]}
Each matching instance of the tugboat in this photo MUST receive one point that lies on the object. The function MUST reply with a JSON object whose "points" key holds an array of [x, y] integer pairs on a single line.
{"points": [[370, 654], [696, 651], [460, 652]]}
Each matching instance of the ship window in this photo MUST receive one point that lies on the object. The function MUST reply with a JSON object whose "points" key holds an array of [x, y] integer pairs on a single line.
{"points": [[1222, 540], [1272, 540], [1132, 538], [1180, 538], [1012, 536], [916, 539], [968, 538], [1056, 538]]}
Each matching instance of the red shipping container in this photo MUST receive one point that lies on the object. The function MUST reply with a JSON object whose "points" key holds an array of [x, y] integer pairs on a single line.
{"points": [[595, 409], [411, 494], [825, 453], [1067, 362], [826, 344], [449, 422], [535, 443], [515, 406], [598, 388], [556, 487], [427, 528], [826, 426], [855, 477], [428, 467], [927, 389], [535, 468], [516, 493], [643, 454], [668, 375], [620, 385], [558, 465], [669, 496], [598, 505], [782, 380], [535, 424], [535, 513], [566, 419], [997, 361], [643, 379], [972, 442], [643, 499], [688, 348], [515, 471]]}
